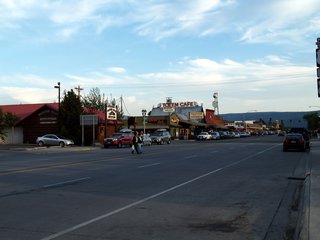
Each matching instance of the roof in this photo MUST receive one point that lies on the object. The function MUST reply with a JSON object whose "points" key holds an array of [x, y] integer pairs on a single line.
{"points": [[182, 112], [22, 111]]}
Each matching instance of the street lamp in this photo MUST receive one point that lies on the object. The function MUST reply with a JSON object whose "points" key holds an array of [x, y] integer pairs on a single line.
{"points": [[58, 87], [144, 112]]}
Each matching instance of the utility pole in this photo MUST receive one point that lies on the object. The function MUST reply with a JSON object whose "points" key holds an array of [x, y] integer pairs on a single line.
{"points": [[318, 65], [121, 106], [78, 89]]}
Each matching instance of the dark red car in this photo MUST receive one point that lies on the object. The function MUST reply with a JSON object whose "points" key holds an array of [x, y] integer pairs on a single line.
{"points": [[294, 141], [119, 139]]}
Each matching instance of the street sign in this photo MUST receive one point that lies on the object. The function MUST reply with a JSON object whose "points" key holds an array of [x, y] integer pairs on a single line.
{"points": [[88, 120], [318, 57], [319, 87]]}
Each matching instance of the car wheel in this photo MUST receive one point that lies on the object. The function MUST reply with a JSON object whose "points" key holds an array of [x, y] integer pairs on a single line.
{"points": [[120, 145], [169, 141], [285, 149], [61, 144], [41, 144]]}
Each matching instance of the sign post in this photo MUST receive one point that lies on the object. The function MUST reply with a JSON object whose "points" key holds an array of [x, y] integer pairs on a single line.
{"points": [[88, 120]]}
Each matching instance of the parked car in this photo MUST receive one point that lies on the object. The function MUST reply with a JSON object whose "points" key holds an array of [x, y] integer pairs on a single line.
{"points": [[146, 140], [294, 141], [161, 137], [215, 135], [204, 136], [244, 134], [235, 134], [118, 139], [225, 134], [53, 140]]}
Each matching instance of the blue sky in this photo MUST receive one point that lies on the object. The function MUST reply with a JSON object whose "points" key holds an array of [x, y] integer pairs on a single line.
{"points": [[258, 55]]}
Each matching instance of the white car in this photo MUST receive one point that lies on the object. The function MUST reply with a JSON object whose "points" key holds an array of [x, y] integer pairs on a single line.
{"points": [[235, 134], [53, 140], [215, 135], [204, 136]]}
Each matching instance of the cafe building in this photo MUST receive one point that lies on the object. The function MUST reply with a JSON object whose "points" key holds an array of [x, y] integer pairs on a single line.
{"points": [[184, 120]]}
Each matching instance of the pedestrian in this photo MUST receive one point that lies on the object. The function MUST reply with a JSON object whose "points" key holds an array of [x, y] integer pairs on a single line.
{"points": [[140, 140], [135, 143]]}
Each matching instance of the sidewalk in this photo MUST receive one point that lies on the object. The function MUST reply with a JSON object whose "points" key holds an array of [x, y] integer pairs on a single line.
{"points": [[314, 212], [36, 147]]}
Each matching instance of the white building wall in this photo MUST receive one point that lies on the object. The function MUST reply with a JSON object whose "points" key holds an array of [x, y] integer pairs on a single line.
{"points": [[14, 136]]}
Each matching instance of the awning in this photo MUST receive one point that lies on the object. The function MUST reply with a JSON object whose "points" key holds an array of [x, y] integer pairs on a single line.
{"points": [[192, 123]]}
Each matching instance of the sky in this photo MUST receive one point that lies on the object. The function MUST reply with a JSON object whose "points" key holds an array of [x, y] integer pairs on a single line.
{"points": [[257, 55]]}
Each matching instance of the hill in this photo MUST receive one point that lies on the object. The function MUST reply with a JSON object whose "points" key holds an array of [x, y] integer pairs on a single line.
{"points": [[287, 119]]}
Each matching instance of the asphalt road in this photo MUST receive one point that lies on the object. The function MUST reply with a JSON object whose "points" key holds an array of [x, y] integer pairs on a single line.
{"points": [[231, 189]]}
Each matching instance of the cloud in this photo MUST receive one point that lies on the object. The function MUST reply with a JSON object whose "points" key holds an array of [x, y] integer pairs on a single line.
{"points": [[116, 70], [28, 95], [264, 80], [280, 22], [276, 22], [153, 19]]}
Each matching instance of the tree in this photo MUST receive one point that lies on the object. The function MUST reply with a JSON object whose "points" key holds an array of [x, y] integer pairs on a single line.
{"points": [[94, 101], [2, 126], [7, 119], [11, 121], [313, 121], [69, 116]]}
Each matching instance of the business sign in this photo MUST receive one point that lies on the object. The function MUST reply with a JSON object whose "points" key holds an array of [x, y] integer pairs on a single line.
{"points": [[168, 109], [210, 116], [111, 113], [196, 115], [177, 104]]}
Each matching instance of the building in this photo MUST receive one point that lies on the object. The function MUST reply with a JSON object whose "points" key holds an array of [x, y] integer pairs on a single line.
{"points": [[184, 120], [33, 120]]}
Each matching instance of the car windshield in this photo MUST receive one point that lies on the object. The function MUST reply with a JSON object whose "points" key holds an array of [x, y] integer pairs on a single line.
{"points": [[157, 134], [116, 135]]}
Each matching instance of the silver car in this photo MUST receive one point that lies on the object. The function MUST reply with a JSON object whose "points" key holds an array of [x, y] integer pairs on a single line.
{"points": [[53, 140]]}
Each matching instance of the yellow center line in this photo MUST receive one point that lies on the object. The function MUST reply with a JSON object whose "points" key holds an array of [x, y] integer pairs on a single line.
{"points": [[43, 168]]}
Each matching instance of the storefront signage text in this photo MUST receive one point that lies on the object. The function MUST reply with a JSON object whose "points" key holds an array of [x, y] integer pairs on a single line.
{"points": [[178, 104]]}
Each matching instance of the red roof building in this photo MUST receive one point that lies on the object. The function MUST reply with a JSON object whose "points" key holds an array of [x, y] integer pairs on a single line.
{"points": [[33, 120]]}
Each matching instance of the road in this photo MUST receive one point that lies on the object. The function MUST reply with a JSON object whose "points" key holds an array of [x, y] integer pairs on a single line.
{"points": [[229, 189]]}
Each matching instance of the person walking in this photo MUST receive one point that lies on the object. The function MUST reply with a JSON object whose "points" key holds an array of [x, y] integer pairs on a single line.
{"points": [[140, 139], [135, 144]]}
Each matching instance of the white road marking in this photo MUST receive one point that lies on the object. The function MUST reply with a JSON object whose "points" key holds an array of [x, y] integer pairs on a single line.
{"points": [[106, 215], [149, 165], [66, 182], [214, 151], [191, 156]]}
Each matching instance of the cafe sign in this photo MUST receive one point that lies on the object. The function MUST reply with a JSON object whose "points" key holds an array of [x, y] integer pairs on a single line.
{"points": [[171, 105]]}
